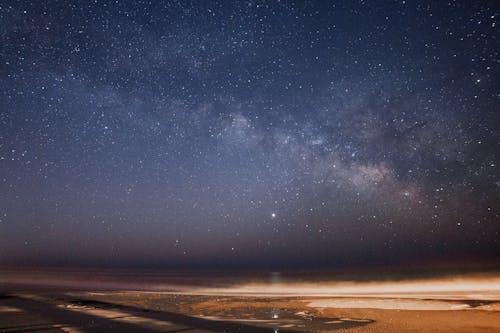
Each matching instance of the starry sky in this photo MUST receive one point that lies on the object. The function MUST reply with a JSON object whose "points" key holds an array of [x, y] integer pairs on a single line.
{"points": [[223, 134]]}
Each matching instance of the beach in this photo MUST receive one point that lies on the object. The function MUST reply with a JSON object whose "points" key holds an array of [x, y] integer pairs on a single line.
{"points": [[195, 302]]}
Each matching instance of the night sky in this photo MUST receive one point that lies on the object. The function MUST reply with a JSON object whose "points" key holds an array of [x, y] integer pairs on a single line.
{"points": [[221, 134]]}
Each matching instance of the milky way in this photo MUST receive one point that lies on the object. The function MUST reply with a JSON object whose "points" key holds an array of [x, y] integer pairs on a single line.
{"points": [[249, 134]]}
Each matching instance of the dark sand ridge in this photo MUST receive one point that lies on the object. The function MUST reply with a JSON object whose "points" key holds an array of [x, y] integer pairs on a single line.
{"points": [[19, 313]]}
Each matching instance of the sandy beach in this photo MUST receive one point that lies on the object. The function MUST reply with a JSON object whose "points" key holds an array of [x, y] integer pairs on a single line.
{"points": [[218, 303]]}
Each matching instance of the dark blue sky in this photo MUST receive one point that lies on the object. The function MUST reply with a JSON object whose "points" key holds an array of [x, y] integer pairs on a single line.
{"points": [[249, 134]]}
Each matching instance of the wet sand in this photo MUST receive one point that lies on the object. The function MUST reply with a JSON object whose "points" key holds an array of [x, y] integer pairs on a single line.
{"points": [[173, 304]]}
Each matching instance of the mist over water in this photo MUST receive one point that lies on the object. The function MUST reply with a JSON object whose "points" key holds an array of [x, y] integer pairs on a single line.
{"points": [[213, 282]]}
